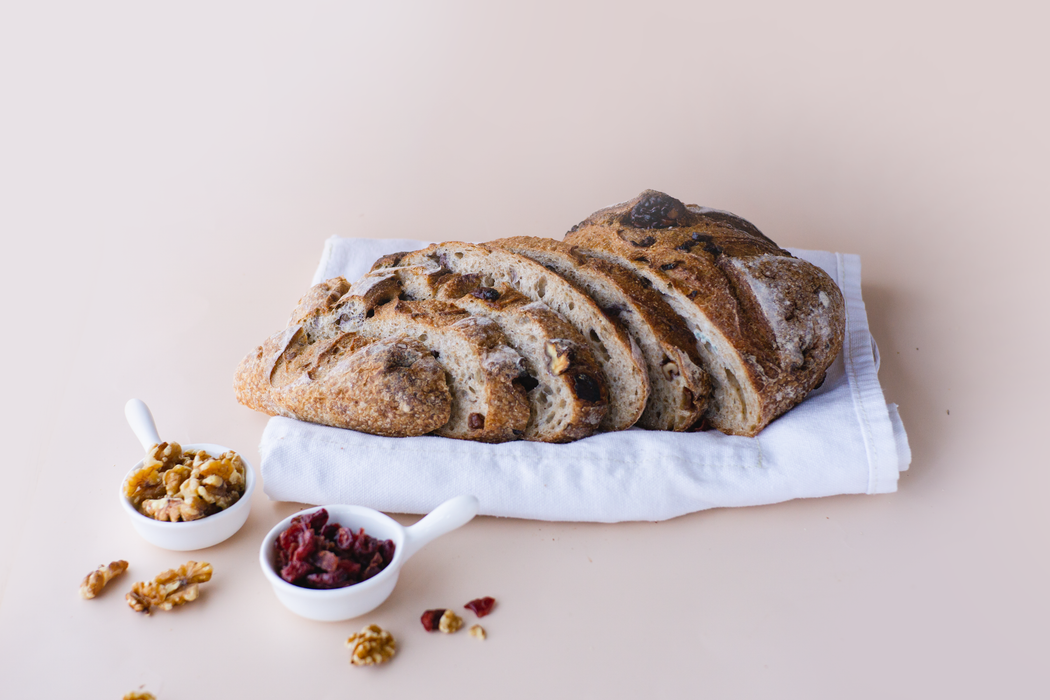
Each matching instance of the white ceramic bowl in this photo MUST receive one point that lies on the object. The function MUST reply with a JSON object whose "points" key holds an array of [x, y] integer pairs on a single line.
{"points": [[196, 534], [345, 603]]}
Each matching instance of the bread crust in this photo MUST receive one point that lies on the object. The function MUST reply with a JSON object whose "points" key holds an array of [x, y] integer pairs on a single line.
{"points": [[368, 362], [768, 325], [680, 386], [389, 386]]}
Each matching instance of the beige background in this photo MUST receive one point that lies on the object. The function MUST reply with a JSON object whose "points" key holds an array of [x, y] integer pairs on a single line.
{"points": [[168, 177]]}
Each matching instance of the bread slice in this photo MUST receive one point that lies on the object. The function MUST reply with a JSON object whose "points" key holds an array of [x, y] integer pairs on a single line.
{"points": [[481, 372], [680, 386], [567, 394], [767, 324], [621, 360]]}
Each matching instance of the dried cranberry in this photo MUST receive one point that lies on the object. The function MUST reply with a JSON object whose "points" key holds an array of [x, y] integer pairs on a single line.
{"points": [[334, 579], [326, 561], [431, 619], [586, 388], [299, 543], [481, 606], [374, 567], [306, 558], [344, 539], [352, 568], [289, 538], [364, 547], [475, 421], [295, 570], [485, 294], [329, 531], [314, 520]]}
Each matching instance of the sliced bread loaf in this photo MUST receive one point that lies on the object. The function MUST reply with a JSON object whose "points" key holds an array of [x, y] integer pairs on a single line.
{"points": [[621, 361], [565, 388], [680, 386]]}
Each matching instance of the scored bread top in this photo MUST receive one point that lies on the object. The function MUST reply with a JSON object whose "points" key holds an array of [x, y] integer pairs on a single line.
{"points": [[389, 386], [768, 325], [470, 357], [622, 364], [680, 386]]}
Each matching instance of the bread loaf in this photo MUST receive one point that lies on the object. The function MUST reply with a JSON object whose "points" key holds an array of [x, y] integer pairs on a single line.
{"points": [[767, 325], [679, 385], [622, 364], [677, 315]]}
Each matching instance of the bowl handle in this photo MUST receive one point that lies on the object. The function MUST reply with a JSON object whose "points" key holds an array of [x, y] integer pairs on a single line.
{"points": [[448, 516], [141, 421]]}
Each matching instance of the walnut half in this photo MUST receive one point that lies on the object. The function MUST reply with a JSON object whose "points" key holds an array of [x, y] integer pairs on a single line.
{"points": [[169, 589], [372, 645], [94, 582]]}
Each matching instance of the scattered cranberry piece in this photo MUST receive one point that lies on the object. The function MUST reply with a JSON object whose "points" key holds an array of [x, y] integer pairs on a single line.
{"points": [[481, 606], [431, 619]]}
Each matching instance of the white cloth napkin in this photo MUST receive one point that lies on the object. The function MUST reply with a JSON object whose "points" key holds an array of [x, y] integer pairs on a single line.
{"points": [[844, 438]]}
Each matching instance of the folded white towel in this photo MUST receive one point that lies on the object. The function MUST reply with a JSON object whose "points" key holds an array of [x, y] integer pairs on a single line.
{"points": [[843, 438]]}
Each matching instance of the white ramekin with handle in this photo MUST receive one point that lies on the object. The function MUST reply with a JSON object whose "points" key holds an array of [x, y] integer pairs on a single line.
{"points": [[195, 534], [334, 604]]}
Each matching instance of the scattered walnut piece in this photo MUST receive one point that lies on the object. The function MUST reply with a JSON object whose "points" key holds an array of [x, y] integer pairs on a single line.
{"points": [[170, 588], [94, 582], [372, 645], [174, 485], [477, 631], [139, 695], [450, 622]]}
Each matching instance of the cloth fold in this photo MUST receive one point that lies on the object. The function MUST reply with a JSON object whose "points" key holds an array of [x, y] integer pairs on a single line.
{"points": [[844, 438]]}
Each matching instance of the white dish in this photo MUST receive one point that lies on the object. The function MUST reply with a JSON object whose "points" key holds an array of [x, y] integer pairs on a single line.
{"points": [[352, 601], [195, 534]]}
